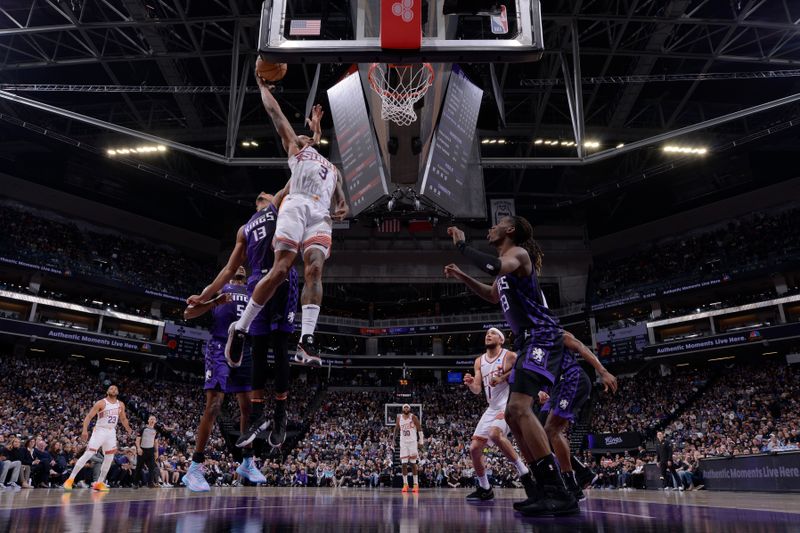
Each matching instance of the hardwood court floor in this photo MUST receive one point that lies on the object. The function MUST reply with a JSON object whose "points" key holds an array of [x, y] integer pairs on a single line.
{"points": [[253, 510]]}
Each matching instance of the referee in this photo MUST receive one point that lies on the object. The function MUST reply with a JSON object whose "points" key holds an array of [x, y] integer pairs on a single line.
{"points": [[146, 449]]}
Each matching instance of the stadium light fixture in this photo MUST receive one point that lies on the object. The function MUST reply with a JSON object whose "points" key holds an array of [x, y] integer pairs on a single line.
{"points": [[722, 358], [620, 145], [591, 144], [323, 141], [143, 149], [538, 141], [688, 150], [37, 350]]}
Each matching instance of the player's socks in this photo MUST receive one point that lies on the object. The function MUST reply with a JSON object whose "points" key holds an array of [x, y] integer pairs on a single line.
{"points": [[416, 480], [278, 433], [522, 468], [483, 481], [248, 315], [310, 316]]}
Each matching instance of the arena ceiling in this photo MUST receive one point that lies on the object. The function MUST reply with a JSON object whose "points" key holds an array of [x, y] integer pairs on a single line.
{"points": [[647, 67]]}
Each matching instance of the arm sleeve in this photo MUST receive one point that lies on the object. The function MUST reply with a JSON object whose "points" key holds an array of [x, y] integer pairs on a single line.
{"points": [[488, 263]]}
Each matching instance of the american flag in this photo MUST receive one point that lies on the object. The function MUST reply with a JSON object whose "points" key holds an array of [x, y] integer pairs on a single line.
{"points": [[389, 226], [305, 27]]}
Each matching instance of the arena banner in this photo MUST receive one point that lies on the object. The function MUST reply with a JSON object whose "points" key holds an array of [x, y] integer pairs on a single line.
{"points": [[614, 441], [96, 340], [501, 208], [778, 472], [724, 341]]}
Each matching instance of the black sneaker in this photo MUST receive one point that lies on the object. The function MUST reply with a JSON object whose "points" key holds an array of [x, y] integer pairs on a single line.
{"points": [[572, 486], [584, 475], [252, 432], [481, 495], [306, 353], [278, 434], [234, 347], [554, 501], [530, 491]]}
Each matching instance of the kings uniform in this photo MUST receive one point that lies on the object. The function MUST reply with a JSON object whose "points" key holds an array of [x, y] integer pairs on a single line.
{"points": [[278, 313], [572, 390], [538, 339], [219, 375]]}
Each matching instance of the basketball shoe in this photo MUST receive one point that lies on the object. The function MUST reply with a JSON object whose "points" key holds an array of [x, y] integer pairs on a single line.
{"points": [[68, 484], [481, 495], [249, 471], [572, 485], [262, 424], [415, 490], [234, 346], [100, 487], [306, 353], [194, 479], [278, 434], [405, 487], [530, 491]]}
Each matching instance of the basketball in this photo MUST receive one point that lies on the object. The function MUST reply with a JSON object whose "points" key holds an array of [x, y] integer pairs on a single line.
{"points": [[270, 71]]}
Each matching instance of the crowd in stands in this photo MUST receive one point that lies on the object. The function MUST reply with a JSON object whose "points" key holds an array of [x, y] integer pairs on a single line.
{"points": [[343, 440], [71, 249], [746, 244]]}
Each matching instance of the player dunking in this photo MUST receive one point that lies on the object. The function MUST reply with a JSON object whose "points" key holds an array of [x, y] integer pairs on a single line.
{"points": [[491, 370], [408, 427], [565, 401], [222, 377], [275, 322], [538, 343], [304, 225], [108, 411]]}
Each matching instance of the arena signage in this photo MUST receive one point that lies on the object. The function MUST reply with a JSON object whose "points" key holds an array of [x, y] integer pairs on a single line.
{"points": [[764, 473], [647, 295], [627, 440], [45, 332], [722, 341]]}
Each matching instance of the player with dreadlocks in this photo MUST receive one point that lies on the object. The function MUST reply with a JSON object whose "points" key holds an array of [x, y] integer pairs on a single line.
{"points": [[538, 341]]}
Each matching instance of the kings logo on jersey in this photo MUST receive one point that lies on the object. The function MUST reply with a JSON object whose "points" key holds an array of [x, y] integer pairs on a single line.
{"points": [[538, 355]]}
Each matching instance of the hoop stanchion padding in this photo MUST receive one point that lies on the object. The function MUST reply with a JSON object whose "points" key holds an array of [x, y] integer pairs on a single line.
{"points": [[401, 24], [400, 87]]}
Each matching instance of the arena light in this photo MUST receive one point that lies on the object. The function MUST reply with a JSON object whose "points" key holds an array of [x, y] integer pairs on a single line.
{"points": [[770, 353], [591, 144], [682, 364], [79, 356], [620, 145], [250, 143], [323, 141], [117, 360], [143, 149], [37, 350], [687, 150], [538, 141]]}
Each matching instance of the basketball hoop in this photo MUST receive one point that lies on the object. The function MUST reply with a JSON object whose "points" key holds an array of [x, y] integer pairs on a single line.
{"points": [[400, 87]]}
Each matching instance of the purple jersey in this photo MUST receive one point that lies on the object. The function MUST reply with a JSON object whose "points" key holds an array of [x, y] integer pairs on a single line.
{"points": [[524, 309], [258, 233], [224, 315], [569, 361]]}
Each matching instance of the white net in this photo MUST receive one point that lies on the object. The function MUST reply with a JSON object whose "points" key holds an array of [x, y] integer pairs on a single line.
{"points": [[400, 87]]}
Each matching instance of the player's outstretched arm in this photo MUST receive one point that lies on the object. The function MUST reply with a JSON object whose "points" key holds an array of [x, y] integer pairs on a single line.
{"points": [[508, 366], [315, 123], [573, 344], [339, 200], [236, 259], [282, 125], [487, 292], [509, 262]]}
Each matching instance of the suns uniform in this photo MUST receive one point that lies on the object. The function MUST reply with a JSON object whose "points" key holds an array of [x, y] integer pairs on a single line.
{"points": [[408, 439], [496, 396], [104, 434], [304, 220]]}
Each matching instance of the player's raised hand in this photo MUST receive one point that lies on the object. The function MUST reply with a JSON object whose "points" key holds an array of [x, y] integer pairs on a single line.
{"points": [[341, 211], [469, 379], [316, 118], [456, 234], [494, 381], [452, 271]]}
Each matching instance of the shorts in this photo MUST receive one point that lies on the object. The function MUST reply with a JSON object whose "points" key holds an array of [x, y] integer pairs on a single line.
{"points": [[220, 376], [303, 223], [569, 395], [408, 451], [279, 312], [104, 438], [491, 418], [537, 361]]}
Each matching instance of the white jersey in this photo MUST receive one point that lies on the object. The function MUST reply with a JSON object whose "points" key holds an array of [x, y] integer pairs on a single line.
{"points": [[109, 416], [313, 176], [408, 430], [497, 395]]}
